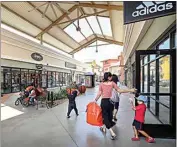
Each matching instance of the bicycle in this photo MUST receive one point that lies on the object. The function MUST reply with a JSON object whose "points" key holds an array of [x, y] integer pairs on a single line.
{"points": [[20, 100]]}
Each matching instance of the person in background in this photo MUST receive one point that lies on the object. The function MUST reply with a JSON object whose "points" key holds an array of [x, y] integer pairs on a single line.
{"points": [[28, 90], [75, 85], [105, 90], [32, 95], [72, 103], [139, 120], [115, 97]]}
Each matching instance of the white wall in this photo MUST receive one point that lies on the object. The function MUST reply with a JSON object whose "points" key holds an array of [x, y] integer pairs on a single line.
{"points": [[15, 48]]}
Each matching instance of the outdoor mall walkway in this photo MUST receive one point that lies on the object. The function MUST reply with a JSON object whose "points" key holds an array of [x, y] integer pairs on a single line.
{"points": [[51, 128]]}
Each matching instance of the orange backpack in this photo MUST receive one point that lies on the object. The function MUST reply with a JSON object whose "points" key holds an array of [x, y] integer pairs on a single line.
{"points": [[94, 114]]}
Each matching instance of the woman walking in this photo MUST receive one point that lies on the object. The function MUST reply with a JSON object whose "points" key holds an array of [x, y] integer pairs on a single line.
{"points": [[105, 90]]}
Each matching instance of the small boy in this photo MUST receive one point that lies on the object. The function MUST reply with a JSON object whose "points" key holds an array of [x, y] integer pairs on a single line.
{"points": [[139, 119], [72, 103]]}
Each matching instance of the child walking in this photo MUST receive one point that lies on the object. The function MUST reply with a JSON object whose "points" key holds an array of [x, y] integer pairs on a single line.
{"points": [[139, 119], [72, 103], [115, 98]]}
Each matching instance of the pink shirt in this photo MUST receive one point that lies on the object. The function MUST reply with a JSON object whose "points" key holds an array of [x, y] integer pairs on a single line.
{"points": [[106, 90]]}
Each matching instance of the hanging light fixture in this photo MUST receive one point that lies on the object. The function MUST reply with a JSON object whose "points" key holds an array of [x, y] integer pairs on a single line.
{"points": [[96, 47]]}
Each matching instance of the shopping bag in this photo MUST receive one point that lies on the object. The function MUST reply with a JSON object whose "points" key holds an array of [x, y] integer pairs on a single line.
{"points": [[94, 114]]}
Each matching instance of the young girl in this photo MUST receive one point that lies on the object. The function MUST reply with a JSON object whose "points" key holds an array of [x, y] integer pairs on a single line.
{"points": [[115, 97]]}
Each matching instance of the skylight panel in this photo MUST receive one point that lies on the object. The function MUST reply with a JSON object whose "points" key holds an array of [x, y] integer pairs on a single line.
{"points": [[85, 28], [105, 25], [94, 24], [76, 35]]}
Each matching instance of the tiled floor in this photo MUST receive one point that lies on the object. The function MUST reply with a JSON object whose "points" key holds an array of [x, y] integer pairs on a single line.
{"points": [[51, 128]]}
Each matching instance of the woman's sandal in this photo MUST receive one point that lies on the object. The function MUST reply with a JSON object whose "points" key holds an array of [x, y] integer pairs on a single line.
{"points": [[115, 119], [113, 137], [103, 130]]}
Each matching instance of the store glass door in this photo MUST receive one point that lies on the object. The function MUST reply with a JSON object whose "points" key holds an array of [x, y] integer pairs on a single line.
{"points": [[156, 79]]}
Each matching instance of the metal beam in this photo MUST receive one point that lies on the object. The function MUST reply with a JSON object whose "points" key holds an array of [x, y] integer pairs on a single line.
{"points": [[98, 20], [83, 46], [51, 21], [39, 38], [110, 41], [110, 18], [99, 45], [57, 21], [102, 6], [81, 17], [72, 22], [82, 10], [99, 6]]}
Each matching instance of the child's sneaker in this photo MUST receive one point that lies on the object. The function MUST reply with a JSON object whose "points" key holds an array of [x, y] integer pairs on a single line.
{"points": [[150, 140], [135, 139], [68, 116]]}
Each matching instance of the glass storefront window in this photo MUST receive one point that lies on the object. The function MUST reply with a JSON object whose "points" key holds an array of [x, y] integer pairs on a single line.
{"points": [[31, 77], [61, 78], [24, 73], [152, 104], [66, 78], [44, 79], [15, 80], [174, 44], [53, 79], [164, 74], [57, 79], [146, 78], [165, 44], [145, 59], [165, 100], [141, 80], [152, 57], [152, 82], [69, 78], [6, 81], [164, 114]]}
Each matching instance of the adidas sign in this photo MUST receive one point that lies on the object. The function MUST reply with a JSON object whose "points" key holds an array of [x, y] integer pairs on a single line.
{"points": [[151, 7]]}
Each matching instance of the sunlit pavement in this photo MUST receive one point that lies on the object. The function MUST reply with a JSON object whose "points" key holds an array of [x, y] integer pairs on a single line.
{"points": [[9, 112], [51, 128]]}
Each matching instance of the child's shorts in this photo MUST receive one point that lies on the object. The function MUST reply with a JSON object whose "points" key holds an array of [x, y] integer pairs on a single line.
{"points": [[138, 125]]}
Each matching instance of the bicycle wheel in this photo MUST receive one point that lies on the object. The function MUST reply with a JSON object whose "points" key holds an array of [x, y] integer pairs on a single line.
{"points": [[17, 102], [25, 103]]}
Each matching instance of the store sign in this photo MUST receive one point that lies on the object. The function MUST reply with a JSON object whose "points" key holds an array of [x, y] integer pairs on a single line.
{"points": [[37, 56], [39, 66], [70, 65], [135, 11]]}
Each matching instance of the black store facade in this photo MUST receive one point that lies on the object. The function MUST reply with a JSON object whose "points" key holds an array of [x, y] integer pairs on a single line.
{"points": [[152, 68]]}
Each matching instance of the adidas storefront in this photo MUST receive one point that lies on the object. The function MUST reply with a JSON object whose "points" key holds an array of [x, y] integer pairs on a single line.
{"points": [[150, 62]]}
